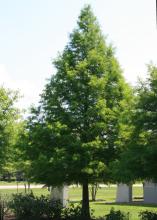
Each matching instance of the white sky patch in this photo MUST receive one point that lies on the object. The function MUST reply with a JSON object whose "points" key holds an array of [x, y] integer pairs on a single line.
{"points": [[4, 77], [30, 43], [28, 91]]}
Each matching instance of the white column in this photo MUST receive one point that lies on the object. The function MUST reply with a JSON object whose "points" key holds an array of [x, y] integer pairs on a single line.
{"points": [[124, 193], [60, 193], [150, 192]]}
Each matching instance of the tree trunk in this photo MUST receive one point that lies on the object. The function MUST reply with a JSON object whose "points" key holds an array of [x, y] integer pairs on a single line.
{"points": [[28, 187], [85, 202], [25, 187], [130, 192], [94, 189]]}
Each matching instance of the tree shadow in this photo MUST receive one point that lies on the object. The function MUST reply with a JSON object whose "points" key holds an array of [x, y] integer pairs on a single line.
{"points": [[79, 201], [76, 201], [136, 203]]}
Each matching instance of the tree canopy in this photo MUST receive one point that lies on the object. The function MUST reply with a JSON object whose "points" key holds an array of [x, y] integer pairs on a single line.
{"points": [[77, 129], [138, 161], [9, 115]]}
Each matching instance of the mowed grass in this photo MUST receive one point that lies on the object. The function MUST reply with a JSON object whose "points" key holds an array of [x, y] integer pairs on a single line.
{"points": [[37, 192], [105, 200]]}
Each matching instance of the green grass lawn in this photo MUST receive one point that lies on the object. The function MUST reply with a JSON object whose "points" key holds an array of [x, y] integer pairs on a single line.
{"points": [[37, 192], [105, 200]]}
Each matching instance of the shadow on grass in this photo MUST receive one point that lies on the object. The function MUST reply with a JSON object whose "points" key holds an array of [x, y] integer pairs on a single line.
{"points": [[127, 204], [73, 202], [79, 201], [103, 202]]}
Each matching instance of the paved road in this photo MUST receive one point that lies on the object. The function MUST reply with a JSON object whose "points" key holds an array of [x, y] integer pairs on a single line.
{"points": [[39, 186]]}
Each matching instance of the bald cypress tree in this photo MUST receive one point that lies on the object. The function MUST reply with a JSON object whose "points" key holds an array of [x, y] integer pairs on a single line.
{"points": [[74, 133]]}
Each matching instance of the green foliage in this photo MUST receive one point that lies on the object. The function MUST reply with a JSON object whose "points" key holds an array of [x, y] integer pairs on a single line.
{"points": [[74, 133], [78, 128], [72, 213], [146, 125], [139, 159], [147, 215], [11, 126], [32, 207], [9, 116], [117, 215], [3, 206]]}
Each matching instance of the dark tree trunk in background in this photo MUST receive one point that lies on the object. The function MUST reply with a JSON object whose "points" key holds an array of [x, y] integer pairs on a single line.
{"points": [[94, 189], [130, 192], [85, 202]]}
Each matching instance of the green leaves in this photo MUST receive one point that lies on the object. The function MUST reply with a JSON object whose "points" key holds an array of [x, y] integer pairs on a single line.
{"points": [[75, 131], [138, 161], [9, 116]]}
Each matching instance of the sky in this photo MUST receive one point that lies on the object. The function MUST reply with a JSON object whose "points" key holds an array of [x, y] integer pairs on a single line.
{"points": [[32, 32]]}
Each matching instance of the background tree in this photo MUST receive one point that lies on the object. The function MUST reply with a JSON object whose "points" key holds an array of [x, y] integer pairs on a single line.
{"points": [[93, 190], [9, 116], [20, 162], [75, 132], [138, 162], [12, 161]]}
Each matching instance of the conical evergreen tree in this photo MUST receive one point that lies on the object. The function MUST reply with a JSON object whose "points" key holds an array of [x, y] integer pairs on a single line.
{"points": [[74, 134]]}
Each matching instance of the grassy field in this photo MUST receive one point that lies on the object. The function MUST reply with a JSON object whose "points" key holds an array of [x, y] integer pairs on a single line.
{"points": [[105, 200], [37, 192]]}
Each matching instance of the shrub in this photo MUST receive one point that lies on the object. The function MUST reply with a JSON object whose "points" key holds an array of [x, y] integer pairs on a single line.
{"points": [[30, 207], [53, 209], [1, 209], [146, 215], [72, 213], [3, 206], [117, 215]]}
